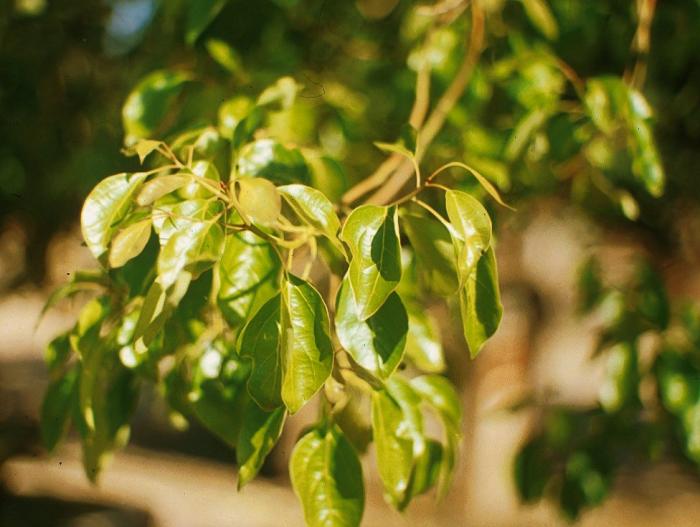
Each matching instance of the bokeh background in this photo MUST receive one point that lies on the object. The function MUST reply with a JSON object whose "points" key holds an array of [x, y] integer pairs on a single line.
{"points": [[66, 68]]}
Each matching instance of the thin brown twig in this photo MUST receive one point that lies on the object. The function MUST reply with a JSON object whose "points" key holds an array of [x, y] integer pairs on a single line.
{"points": [[437, 118]]}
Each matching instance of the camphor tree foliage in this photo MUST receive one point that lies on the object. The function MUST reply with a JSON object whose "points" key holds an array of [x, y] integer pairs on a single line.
{"points": [[255, 261]]}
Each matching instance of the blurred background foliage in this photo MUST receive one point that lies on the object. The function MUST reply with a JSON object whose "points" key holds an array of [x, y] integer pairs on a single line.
{"points": [[596, 103]]}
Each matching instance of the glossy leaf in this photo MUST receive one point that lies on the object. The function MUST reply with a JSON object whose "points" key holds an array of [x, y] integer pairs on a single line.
{"points": [[472, 235], [372, 233], [327, 477], [439, 393], [129, 242], [480, 303], [160, 186], [106, 206], [247, 270], [423, 344], [307, 351], [377, 343], [260, 342], [171, 218], [149, 102], [314, 208], [260, 432], [200, 241]]}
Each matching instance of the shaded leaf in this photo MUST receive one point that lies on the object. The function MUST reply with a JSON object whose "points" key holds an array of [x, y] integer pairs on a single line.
{"points": [[269, 159], [199, 15], [56, 409], [260, 432], [423, 344]]}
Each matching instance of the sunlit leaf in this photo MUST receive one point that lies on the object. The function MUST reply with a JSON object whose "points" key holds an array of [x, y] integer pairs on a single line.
{"points": [[259, 200], [313, 207], [129, 242], [160, 186], [260, 432], [106, 206], [377, 343], [269, 159], [327, 477], [372, 233]]}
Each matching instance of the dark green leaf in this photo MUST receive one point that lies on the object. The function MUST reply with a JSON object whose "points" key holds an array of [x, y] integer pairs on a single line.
{"points": [[199, 15], [269, 159], [56, 409], [260, 432]]}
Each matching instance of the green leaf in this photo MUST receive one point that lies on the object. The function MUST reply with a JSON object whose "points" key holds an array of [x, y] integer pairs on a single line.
{"points": [[372, 232], [480, 303], [160, 186], [260, 342], [540, 15], [427, 469], [204, 175], [327, 477], [288, 341], [377, 343], [259, 434], [271, 160], [259, 200], [328, 176], [105, 207], [314, 208], [472, 234], [423, 345], [58, 351], [129, 242], [199, 15], [307, 357], [176, 217], [434, 251], [200, 242], [247, 272], [149, 102], [439, 393], [282, 93], [57, 407], [406, 144], [394, 448], [226, 56], [231, 113], [143, 148]]}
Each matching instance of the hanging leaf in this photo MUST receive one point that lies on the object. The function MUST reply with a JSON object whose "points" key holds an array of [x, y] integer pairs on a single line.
{"points": [[307, 357], [247, 272], [260, 432], [377, 343], [480, 303], [149, 102], [541, 16], [472, 235], [372, 233], [327, 477], [288, 341], [105, 207], [394, 448], [129, 242]]}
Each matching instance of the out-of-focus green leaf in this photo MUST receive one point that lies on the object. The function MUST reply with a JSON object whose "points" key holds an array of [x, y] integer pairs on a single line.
{"points": [[149, 102], [282, 93], [57, 407], [200, 14], [434, 252], [540, 15], [260, 432], [377, 343], [480, 303], [372, 233], [227, 57], [269, 159], [327, 477], [105, 207]]}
